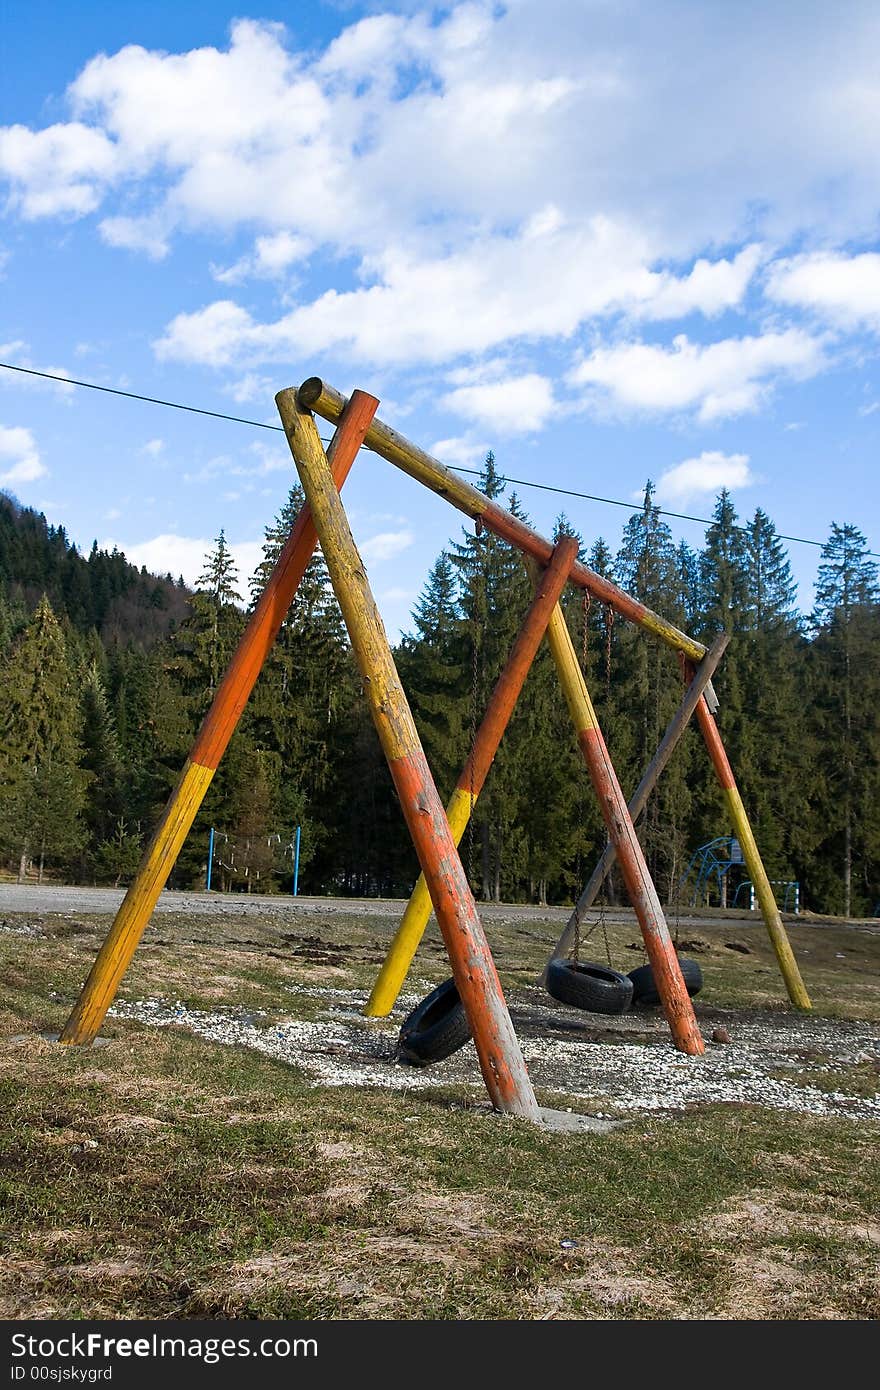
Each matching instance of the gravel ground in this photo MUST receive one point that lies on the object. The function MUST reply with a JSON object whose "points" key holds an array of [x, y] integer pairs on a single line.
{"points": [[630, 1074]]}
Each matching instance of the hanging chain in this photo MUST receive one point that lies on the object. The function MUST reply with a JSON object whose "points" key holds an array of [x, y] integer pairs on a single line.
{"points": [[604, 925], [585, 610], [609, 624]]}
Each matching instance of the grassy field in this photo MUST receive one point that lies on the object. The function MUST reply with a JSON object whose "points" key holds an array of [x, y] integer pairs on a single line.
{"points": [[163, 1175]]}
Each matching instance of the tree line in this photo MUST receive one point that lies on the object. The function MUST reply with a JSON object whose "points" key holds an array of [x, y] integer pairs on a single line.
{"points": [[107, 673]]}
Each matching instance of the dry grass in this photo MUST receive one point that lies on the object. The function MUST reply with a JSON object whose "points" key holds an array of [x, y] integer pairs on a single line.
{"points": [[162, 1176]]}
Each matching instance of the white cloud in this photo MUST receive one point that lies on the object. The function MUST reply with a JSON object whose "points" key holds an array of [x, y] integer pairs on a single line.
{"points": [[845, 290], [653, 102], [869, 409], [153, 447], [58, 171], [210, 335], [715, 380], [460, 451], [253, 387], [145, 234], [708, 473], [710, 288], [20, 460], [272, 257], [495, 289], [519, 405], [172, 554], [386, 545]]}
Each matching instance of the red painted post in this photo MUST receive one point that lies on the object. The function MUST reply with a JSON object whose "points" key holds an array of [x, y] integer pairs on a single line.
{"points": [[621, 831], [476, 769], [218, 726]]}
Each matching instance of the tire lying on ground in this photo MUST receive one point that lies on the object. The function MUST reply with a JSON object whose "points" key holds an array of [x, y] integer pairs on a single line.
{"points": [[586, 985], [645, 988], [435, 1029]]}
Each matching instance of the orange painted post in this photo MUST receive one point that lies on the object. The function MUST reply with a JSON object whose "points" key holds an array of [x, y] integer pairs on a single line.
{"points": [[621, 831], [329, 403], [797, 990], [476, 769], [217, 728], [639, 799], [501, 1061]]}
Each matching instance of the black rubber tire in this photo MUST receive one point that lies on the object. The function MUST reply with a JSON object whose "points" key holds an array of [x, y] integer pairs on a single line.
{"points": [[587, 985], [435, 1029], [645, 990]]}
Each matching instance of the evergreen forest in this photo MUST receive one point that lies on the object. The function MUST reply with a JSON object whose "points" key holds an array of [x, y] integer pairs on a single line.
{"points": [[106, 672]]}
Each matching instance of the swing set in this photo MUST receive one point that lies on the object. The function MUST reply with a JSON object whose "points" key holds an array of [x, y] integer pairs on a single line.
{"points": [[443, 883]]}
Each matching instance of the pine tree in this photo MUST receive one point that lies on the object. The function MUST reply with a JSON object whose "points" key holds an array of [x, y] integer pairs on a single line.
{"points": [[494, 595], [434, 668], [206, 641], [102, 759], [41, 785], [845, 649], [648, 566]]}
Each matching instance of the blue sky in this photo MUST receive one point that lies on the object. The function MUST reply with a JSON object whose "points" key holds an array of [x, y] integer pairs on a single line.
{"points": [[609, 241]]}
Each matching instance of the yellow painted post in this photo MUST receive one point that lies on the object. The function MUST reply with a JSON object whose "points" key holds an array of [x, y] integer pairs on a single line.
{"points": [[501, 1060], [639, 885], [473, 776], [218, 726], [797, 990]]}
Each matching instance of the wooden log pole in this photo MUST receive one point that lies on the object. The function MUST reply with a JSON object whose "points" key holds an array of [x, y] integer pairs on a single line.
{"points": [[501, 1061], [315, 394], [665, 748], [217, 728], [643, 895], [797, 990], [470, 783]]}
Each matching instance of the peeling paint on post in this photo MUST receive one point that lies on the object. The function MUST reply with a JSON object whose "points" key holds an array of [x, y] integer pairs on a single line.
{"points": [[218, 726], [666, 747], [642, 893], [797, 990], [476, 769], [501, 1061]]}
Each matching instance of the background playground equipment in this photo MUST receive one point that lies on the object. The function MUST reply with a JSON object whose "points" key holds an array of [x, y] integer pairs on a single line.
{"points": [[717, 863], [234, 859], [473, 969]]}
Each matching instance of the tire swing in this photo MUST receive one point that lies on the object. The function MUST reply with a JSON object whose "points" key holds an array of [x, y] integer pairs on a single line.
{"points": [[436, 1028], [600, 989]]}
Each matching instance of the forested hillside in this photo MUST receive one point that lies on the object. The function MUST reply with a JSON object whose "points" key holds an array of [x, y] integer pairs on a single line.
{"points": [[107, 673]]}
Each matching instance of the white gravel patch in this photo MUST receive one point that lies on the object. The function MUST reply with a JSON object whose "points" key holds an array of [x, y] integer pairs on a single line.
{"points": [[342, 1048], [21, 928]]}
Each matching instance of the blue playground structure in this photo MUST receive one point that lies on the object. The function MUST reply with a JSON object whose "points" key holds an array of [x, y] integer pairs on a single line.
{"points": [[709, 869]]}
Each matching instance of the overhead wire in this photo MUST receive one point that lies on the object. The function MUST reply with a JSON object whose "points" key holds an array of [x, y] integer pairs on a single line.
{"points": [[475, 472]]}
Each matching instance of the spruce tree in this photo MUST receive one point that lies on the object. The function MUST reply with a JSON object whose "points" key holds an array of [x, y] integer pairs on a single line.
{"points": [[845, 619], [41, 784]]}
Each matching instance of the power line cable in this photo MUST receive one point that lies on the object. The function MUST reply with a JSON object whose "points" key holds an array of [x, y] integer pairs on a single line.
{"points": [[278, 429]]}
